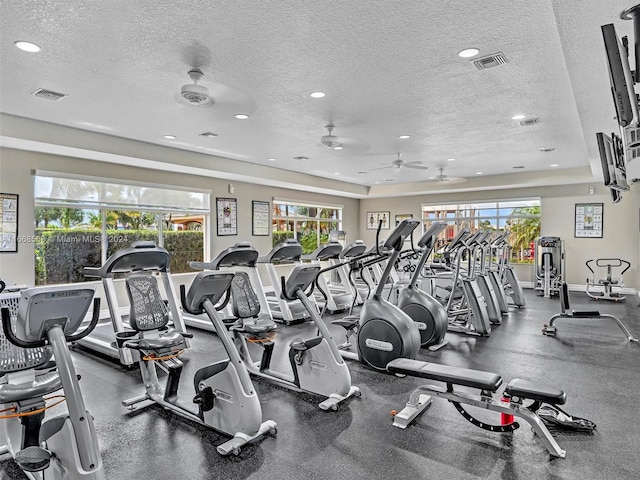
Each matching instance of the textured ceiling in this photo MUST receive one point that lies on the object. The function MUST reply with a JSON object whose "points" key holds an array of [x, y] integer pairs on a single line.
{"points": [[388, 67]]}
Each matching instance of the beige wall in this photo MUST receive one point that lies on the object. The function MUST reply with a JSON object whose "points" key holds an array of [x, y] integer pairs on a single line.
{"points": [[16, 168], [620, 235]]}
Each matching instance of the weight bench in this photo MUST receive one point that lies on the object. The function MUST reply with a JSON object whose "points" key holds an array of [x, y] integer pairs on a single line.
{"points": [[511, 403], [550, 329]]}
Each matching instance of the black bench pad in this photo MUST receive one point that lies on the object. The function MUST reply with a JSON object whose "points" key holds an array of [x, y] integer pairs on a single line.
{"points": [[534, 391], [585, 313], [445, 373]]}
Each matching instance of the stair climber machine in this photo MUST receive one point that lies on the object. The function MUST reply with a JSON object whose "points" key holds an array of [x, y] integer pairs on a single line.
{"points": [[241, 259], [383, 332], [141, 257], [493, 276], [478, 267], [428, 314], [512, 288], [283, 255], [340, 297], [224, 395], [465, 305], [549, 260], [316, 365], [45, 321]]}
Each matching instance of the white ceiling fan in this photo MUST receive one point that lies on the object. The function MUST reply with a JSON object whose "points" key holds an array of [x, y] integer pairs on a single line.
{"points": [[227, 100], [442, 178], [398, 164], [335, 142]]}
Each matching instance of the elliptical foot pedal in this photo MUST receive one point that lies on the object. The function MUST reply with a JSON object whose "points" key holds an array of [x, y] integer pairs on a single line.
{"points": [[33, 459]]}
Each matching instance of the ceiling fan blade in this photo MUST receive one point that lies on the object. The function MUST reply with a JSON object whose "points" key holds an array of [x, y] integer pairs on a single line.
{"points": [[416, 167], [415, 162], [381, 168]]}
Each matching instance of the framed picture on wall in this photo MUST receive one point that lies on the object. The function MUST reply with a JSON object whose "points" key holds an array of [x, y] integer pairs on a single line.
{"points": [[589, 220], [402, 216], [260, 218], [227, 216], [8, 222], [374, 217]]}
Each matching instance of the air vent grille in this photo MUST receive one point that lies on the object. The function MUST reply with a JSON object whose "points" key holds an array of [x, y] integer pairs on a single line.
{"points": [[301, 158], [49, 94], [518, 167], [490, 61], [528, 122], [208, 134]]}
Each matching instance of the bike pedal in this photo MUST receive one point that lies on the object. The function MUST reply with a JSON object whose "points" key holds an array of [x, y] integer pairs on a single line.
{"points": [[33, 459]]}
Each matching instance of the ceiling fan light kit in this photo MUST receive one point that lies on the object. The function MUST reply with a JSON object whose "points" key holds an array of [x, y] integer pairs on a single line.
{"points": [[193, 93]]}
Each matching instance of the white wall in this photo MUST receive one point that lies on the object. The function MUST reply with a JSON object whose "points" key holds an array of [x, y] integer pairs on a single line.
{"points": [[621, 237], [16, 176]]}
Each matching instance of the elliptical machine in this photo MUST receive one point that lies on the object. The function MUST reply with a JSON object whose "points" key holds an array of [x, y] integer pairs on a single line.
{"points": [[316, 365], [66, 446], [224, 394], [428, 314], [383, 331]]}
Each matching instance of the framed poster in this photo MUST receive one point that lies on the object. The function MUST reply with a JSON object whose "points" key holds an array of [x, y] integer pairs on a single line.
{"points": [[227, 215], [402, 216], [8, 222], [260, 218], [374, 217], [589, 220]]}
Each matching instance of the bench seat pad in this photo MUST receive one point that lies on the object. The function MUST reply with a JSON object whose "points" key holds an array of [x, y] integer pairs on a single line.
{"points": [[535, 391], [445, 373]]}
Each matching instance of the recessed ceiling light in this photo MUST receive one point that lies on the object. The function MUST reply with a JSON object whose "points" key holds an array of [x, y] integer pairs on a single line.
{"points": [[337, 173], [478, 173], [432, 178], [518, 117], [546, 149], [170, 137], [468, 52], [317, 94], [451, 159], [377, 183], [553, 165], [27, 46], [403, 137], [271, 159], [389, 180], [242, 116]]}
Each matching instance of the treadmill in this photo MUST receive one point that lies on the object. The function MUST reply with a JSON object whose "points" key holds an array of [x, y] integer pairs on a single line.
{"points": [[339, 296], [140, 257], [286, 311]]}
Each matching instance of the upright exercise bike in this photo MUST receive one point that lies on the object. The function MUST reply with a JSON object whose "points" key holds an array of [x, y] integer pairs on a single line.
{"points": [[66, 446], [224, 395]]}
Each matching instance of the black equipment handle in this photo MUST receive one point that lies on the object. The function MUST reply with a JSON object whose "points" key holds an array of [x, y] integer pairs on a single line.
{"points": [[291, 299], [2, 286]]}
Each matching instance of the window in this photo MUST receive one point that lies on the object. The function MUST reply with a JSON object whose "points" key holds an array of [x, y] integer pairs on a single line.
{"points": [[310, 224], [521, 217], [80, 222]]}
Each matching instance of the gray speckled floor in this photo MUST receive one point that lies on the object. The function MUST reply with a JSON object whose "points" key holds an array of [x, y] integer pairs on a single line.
{"points": [[590, 360]]}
